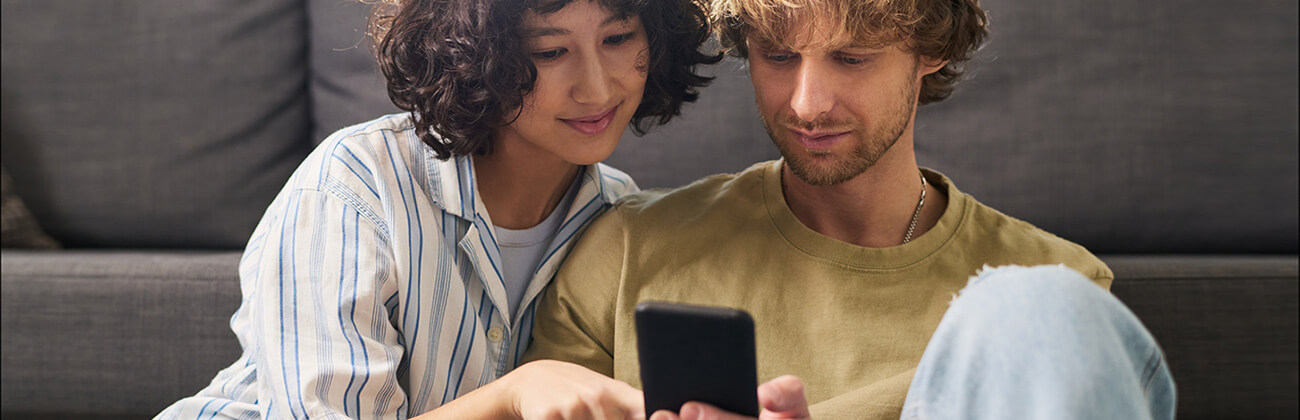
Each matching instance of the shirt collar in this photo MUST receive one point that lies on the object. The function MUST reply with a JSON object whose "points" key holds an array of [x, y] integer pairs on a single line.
{"points": [[453, 188]]}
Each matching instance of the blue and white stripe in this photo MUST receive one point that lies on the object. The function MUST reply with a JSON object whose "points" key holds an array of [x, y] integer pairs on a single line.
{"points": [[372, 286]]}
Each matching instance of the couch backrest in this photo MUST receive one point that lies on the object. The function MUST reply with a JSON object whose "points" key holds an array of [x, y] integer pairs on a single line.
{"points": [[1159, 126], [346, 86], [1155, 126], [153, 123]]}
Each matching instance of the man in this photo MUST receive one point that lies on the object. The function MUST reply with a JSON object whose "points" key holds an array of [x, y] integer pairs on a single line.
{"points": [[848, 255]]}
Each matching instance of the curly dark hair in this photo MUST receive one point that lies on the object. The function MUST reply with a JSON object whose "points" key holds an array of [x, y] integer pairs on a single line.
{"points": [[946, 30], [461, 67]]}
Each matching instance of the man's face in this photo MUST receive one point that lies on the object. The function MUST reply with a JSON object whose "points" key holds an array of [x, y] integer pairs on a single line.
{"points": [[834, 111]]}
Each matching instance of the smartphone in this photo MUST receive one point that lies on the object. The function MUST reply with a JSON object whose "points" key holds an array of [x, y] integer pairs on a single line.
{"points": [[696, 353]]}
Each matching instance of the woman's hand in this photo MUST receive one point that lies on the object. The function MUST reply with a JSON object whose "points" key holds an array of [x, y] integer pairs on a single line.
{"points": [[549, 389]]}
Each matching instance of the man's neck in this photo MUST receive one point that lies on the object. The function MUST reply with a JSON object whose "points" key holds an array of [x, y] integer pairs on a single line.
{"points": [[521, 185], [871, 210]]}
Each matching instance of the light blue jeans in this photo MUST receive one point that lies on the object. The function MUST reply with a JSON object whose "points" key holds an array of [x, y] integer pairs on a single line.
{"points": [[1039, 343]]}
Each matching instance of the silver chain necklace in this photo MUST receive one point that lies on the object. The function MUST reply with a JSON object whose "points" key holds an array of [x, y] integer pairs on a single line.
{"points": [[916, 215]]}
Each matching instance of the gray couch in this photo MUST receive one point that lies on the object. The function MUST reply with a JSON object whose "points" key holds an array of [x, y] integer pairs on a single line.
{"points": [[149, 136]]}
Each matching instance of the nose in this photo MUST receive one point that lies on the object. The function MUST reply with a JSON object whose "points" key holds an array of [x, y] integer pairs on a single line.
{"points": [[811, 97], [594, 84]]}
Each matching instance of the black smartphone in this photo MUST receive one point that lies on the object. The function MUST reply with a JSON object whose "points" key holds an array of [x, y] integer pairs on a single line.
{"points": [[696, 353]]}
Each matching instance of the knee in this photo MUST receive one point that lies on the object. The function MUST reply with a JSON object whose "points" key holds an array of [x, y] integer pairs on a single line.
{"points": [[1043, 283], [1044, 333], [1015, 292], [1052, 309]]}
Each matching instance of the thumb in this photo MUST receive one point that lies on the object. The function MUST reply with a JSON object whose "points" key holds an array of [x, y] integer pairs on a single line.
{"points": [[784, 398]]}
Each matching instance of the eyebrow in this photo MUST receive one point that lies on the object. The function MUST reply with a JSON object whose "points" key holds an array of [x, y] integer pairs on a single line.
{"points": [[768, 44], [765, 44], [857, 49], [552, 31]]}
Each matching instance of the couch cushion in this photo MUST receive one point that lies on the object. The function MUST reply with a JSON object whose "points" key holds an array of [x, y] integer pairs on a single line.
{"points": [[114, 333], [153, 123], [1156, 126], [1228, 327], [127, 333]]}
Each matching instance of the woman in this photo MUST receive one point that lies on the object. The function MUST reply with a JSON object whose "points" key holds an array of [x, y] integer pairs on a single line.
{"points": [[397, 269]]}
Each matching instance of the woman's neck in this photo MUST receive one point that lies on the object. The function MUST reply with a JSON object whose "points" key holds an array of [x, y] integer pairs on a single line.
{"points": [[520, 184]]}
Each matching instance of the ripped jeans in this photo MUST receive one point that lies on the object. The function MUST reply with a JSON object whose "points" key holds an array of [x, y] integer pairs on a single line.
{"points": [[1039, 343]]}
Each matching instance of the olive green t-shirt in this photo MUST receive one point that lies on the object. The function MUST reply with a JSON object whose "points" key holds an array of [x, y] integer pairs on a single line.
{"points": [[850, 321]]}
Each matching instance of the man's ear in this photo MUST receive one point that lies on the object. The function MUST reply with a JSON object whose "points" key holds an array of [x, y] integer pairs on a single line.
{"points": [[928, 66]]}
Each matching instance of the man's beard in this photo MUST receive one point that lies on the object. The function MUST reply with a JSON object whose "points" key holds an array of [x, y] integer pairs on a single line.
{"points": [[831, 171]]}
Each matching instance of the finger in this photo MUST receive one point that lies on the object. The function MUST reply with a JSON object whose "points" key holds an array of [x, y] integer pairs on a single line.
{"points": [[784, 396], [700, 411], [616, 409], [614, 400], [632, 400], [664, 415], [618, 401]]}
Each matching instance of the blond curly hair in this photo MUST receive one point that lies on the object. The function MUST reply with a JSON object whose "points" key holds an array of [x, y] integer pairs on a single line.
{"points": [[941, 30]]}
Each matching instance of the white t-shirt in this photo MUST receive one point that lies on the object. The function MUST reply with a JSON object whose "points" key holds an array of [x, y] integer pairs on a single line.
{"points": [[522, 250]]}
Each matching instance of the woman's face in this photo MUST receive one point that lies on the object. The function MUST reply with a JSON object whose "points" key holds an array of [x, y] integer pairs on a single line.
{"points": [[590, 78]]}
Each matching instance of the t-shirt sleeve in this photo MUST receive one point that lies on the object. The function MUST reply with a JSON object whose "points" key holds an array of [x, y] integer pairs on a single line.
{"points": [[1103, 276], [575, 318], [1091, 267]]}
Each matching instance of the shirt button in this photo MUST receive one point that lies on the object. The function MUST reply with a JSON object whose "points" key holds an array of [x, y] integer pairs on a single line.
{"points": [[495, 335]]}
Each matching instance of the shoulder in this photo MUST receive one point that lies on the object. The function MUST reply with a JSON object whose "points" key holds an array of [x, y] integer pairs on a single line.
{"points": [[616, 183], [734, 194], [1014, 241], [369, 166], [357, 151], [384, 125], [365, 150], [659, 221]]}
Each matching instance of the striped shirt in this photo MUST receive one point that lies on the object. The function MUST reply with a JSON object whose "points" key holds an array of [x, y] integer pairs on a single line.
{"points": [[372, 286]]}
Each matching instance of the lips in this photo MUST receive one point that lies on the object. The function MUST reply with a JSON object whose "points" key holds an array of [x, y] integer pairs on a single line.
{"points": [[592, 124], [818, 140]]}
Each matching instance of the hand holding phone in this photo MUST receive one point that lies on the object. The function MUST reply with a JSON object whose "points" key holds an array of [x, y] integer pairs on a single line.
{"points": [[696, 353]]}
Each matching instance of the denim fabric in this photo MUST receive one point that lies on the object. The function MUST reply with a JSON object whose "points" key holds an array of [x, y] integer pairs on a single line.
{"points": [[1037, 343]]}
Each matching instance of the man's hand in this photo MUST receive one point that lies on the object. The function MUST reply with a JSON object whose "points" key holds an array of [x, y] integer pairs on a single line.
{"points": [[781, 398], [549, 389]]}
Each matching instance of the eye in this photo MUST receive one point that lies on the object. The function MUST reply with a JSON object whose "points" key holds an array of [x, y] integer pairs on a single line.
{"points": [[548, 55], [853, 59], [620, 38], [780, 56]]}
